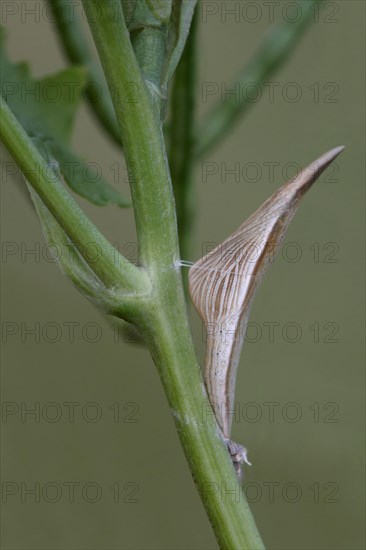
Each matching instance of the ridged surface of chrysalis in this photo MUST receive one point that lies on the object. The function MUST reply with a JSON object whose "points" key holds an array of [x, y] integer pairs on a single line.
{"points": [[223, 284]]}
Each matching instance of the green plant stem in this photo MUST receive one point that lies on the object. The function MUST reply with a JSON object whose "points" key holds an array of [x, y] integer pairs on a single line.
{"points": [[181, 140], [111, 267], [75, 47], [167, 334], [142, 137], [163, 322], [274, 51]]}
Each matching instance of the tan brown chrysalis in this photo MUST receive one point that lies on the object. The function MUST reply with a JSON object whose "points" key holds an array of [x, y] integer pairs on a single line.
{"points": [[223, 285]]}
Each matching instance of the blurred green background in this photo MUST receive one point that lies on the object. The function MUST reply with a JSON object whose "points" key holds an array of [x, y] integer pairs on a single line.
{"points": [[300, 394]]}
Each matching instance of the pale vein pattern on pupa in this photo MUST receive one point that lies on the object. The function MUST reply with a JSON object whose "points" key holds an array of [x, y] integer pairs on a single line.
{"points": [[223, 284]]}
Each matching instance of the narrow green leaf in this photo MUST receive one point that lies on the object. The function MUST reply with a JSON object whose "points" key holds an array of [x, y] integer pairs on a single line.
{"points": [[46, 108], [275, 49], [85, 179]]}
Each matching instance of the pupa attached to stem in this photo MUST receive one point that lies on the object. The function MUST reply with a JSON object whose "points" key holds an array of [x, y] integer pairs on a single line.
{"points": [[223, 284]]}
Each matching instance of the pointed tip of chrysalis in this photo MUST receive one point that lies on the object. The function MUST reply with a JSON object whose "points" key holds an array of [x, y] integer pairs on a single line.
{"points": [[338, 149], [303, 181], [328, 157]]}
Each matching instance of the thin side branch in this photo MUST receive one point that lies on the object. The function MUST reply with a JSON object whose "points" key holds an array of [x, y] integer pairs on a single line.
{"points": [[74, 45], [269, 58], [112, 268]]}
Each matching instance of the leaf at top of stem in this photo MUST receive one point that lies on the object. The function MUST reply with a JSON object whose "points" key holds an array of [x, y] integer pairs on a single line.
{"points": [[46, 108], [161, 9], [223, 284], [178, 29], [145, 13], [159, 30]]}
